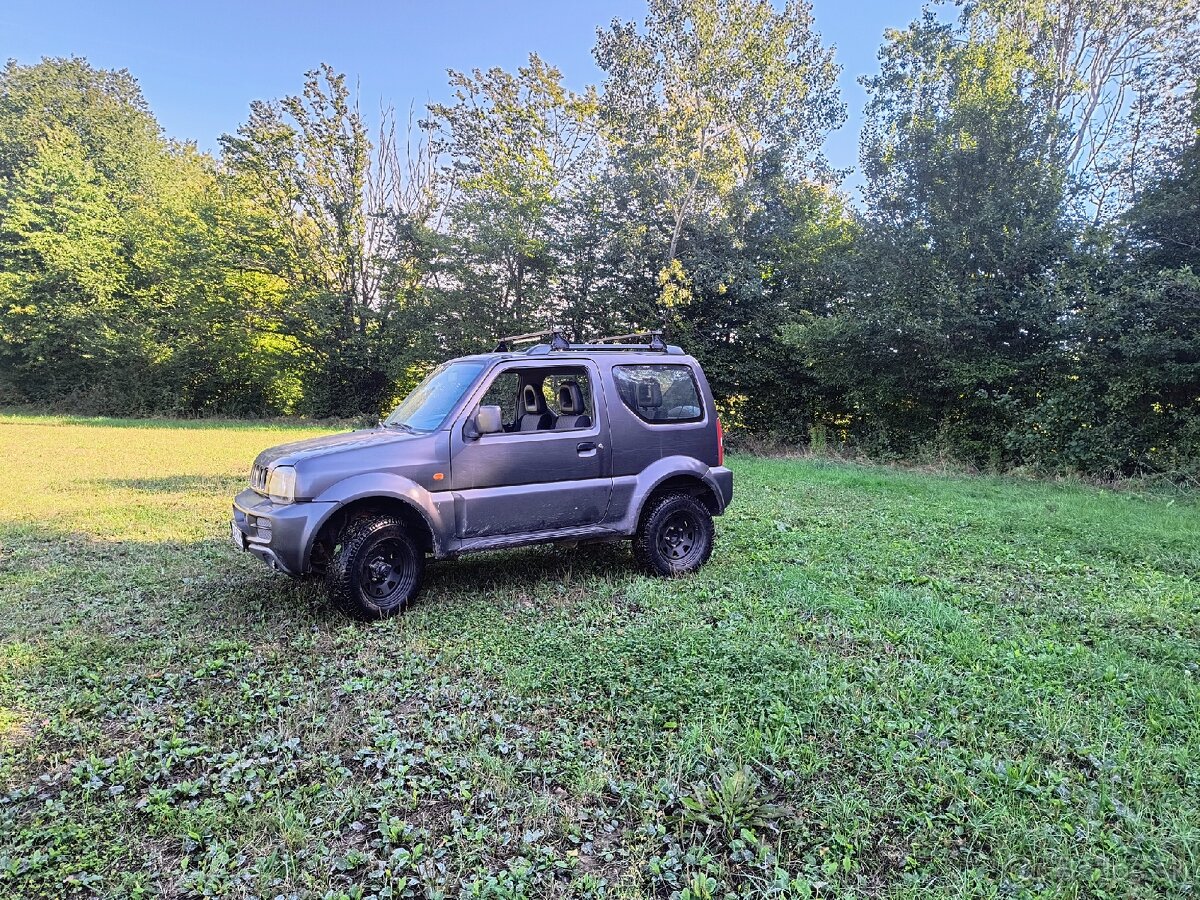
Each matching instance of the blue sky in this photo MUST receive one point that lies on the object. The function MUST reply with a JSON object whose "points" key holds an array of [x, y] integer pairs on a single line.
{"points": [[201, 63]]}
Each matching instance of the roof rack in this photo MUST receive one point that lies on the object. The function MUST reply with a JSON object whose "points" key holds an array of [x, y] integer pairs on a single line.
{"points": [[557, 341], [655, 342], [640, 342]]}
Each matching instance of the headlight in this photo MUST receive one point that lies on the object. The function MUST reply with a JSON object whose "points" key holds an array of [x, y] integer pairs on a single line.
{"points": [[281, 484]]}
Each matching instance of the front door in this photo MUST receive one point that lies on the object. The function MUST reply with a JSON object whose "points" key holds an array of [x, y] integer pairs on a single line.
{"points": [[549, 469]]}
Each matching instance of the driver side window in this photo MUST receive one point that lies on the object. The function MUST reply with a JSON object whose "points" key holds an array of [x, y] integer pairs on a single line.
{"points": [[542, 398], [503, 393]]}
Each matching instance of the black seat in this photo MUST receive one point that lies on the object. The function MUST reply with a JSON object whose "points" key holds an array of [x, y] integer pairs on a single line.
{"points": [[648, 398], [571, 407], [536, 416]]}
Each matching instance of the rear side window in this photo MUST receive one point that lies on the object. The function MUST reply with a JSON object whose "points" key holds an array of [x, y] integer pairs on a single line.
{"points": [[659, 393]]}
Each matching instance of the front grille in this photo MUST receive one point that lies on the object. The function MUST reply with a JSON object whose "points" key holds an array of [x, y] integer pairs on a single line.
{"points": [[258, 478]]}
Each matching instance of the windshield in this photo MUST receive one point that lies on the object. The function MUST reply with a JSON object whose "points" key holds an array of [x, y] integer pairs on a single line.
{"points": [[431, 401]]}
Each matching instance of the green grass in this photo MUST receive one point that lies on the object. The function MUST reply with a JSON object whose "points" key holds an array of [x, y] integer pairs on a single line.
{"points": [[885, 684]]}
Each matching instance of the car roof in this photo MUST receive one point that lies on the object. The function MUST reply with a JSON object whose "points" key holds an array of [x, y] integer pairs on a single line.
{"points": [[616, 354], [625, 358]]}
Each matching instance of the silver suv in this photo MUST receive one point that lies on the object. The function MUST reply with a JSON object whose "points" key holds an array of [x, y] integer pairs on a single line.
{"points": [[561, 442]]}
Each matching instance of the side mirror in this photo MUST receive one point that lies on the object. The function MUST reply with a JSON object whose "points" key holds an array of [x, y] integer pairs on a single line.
{"points": [[487, 420]]}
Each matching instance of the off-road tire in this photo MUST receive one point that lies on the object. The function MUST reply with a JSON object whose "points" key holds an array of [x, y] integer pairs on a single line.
{"points": [[376, 568], [675, 536]]}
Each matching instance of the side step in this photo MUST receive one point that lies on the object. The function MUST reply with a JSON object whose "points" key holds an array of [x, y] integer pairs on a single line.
{"points": [[506, 541]]}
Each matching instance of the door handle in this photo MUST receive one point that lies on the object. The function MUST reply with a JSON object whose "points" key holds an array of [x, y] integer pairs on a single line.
{"points": [[585, 447]]}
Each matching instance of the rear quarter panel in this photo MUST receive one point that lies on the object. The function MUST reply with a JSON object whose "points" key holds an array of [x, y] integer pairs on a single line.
{"points": [[638, 444], [644, 454]]}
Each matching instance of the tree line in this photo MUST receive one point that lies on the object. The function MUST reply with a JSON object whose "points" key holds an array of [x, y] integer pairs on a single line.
{"points": [[1020, 285]]}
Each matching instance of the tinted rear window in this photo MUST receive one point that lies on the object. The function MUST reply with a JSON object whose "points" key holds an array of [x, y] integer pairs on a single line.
{"points": [[660, 393]]}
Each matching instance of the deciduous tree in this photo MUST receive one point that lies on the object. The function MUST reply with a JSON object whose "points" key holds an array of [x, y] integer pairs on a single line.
{"points": [[694, 98]]}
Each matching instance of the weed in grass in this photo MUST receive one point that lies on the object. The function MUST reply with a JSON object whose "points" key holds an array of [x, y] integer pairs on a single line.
{"points": [[731, 803]]}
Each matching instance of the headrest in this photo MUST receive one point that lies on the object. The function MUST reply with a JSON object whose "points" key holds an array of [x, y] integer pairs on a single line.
{"points": [[570, 399], [649, 394], [531, 400]]}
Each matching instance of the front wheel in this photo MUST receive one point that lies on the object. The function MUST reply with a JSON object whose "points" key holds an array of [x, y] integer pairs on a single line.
{"points": [[376, 569], [675, 536]]}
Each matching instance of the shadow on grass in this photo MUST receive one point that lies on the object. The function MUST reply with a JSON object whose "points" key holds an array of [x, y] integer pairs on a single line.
{"points": [[529, 569], [28, 417], [178, 484], [56, 581]]}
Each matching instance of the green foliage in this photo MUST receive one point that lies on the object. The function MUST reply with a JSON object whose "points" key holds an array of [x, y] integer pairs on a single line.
{"points": [[520, 150], [1130, 403], [958, 314], [695, 99], [119, 293], [778, 258], [1164, 221], [306, 161], [104, 109], [979, 321], [1113, 80]]}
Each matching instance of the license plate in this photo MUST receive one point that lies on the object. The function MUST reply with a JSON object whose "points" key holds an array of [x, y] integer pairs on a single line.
{"points": [[239, 539]]}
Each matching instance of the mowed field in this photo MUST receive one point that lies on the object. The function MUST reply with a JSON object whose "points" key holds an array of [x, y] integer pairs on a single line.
{"points": [[885, 684]]}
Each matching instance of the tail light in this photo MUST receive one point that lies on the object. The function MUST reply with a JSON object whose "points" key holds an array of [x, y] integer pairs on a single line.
{"points": [[720, 443]]}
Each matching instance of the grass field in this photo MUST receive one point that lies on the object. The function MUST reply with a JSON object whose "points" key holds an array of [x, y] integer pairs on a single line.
{"points": [[885, 684]]}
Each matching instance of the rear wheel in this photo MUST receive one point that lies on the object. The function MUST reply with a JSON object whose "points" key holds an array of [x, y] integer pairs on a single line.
{"points": [[376, 568], [675, 536]]}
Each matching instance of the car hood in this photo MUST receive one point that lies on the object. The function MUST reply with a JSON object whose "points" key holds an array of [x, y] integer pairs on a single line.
{"points": [[313, 448]]}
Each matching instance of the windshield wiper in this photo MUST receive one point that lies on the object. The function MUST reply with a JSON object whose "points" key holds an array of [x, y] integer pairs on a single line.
{"points": [[402, 425]]}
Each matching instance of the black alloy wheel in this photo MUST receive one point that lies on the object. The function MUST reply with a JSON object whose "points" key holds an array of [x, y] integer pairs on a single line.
{"points": [[386, 572], [677, 537]]}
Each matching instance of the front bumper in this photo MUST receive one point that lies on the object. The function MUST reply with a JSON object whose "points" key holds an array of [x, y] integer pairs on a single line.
{"points": [[280, 534]]}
